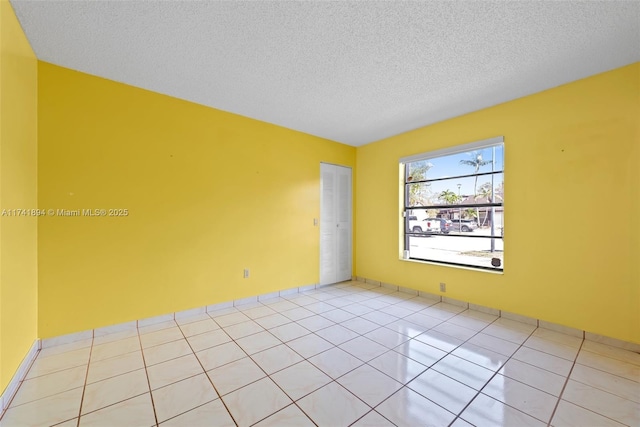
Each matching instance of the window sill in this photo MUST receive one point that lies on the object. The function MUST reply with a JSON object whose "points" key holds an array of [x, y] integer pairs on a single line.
{"points": [[461, 267]]}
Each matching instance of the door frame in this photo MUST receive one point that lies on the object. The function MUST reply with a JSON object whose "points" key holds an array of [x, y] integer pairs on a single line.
{"points": [[350, 222]]}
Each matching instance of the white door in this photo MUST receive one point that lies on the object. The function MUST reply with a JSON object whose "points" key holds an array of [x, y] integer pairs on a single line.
{"points": [[335, 224]]}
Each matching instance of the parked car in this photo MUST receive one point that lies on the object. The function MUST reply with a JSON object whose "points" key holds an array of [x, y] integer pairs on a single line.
{"points": [[427, 225], [463, 225], [445, 224]]}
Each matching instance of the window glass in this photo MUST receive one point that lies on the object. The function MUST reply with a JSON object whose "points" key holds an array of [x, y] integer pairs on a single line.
{"points": [[454, 207]]}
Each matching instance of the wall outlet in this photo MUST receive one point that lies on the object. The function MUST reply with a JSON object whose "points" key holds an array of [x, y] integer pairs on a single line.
{"points": [[443, 287], [246, 273], [315, 222]]}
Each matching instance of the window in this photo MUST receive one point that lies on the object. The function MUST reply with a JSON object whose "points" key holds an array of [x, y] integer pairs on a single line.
{"points": [[454, 205]]}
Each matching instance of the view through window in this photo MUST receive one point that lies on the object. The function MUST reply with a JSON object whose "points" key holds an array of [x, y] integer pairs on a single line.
{"points": [[453, 205]]}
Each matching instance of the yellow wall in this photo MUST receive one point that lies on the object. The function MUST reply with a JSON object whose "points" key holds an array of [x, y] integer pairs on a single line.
{"points": [[18, 179], [209, 193], [572, 249]]}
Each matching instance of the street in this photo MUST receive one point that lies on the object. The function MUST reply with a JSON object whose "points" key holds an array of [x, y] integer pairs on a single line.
{"points": [[457, 247]]}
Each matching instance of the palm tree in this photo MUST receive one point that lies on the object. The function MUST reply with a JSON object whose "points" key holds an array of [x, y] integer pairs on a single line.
{"points": [[418, 193], [485, 191], [449, 197], [476, 162], [470, 213]]}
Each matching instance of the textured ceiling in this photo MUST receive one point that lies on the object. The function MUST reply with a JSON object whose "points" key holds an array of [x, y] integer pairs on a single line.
{"points": [[353, 72]]}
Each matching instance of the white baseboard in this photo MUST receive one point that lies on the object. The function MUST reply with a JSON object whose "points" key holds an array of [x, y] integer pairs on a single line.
{"points": [[189, 313], [306, 288], [270, 295], [370, 283], [516, 317], [287, 292], [388, 286], [19, 376], [121, 327], [220, 306], [66, 339]]}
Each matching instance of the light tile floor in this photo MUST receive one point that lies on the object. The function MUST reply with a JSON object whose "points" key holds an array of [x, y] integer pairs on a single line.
{"points": [[349, 354]]}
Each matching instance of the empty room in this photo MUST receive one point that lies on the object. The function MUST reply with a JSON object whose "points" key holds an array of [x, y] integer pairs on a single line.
{"points": [[283, 213]]}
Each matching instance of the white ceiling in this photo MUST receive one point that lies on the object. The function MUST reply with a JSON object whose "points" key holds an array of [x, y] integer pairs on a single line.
{"points": [[353, 72]]}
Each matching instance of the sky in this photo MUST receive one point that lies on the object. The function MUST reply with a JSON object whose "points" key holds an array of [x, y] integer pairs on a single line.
{"points": [[447, 166]]}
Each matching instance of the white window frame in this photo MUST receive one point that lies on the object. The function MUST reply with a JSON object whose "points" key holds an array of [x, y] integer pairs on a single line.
{"points": [[406, 233]]}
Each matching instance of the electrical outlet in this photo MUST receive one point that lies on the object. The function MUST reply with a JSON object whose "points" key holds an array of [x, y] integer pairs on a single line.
{"points": [[443, 287], [246, 273], [315, 222]]}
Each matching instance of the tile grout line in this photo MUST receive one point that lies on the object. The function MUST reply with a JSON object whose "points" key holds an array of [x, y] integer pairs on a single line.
{"points": [[86, 379], [378, 413], [353, 302], [493, 376], [206, 375], [450, 353], [382, 326], [359, 335], [305, 359], [325, 300], [293, 402], [373, 408], [438, 360], [146, 372], [537, 326], [564, 386], [606, 372], [583, 333], [26, 372], [291, 321], [479, 392], [363, 285], [388, 350]]}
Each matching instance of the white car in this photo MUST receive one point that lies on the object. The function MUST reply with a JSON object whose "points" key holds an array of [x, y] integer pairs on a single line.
{"points": [[426, 225]]}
